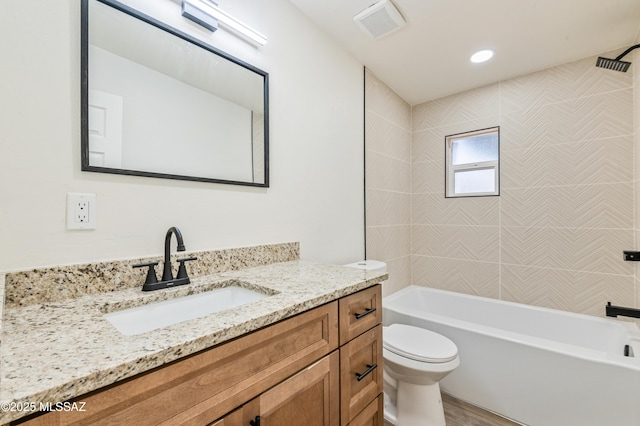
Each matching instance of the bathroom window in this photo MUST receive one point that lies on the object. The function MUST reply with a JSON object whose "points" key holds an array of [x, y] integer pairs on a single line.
{"points": [[473, 163]]}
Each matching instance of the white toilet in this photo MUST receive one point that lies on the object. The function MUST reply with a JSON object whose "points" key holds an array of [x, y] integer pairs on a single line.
{"points": [[415, 360]]}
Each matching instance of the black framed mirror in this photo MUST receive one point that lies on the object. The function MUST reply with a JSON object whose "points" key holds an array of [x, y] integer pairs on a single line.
{"points": [[158, 102]]}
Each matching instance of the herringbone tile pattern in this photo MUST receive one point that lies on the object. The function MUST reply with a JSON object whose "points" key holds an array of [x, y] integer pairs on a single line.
{"points": [[564, 289], [389, 242], [574, 80], [387, 138], [458, 242], [576, 163], [566, 211], [382, 101], [390, 174], [464, 107], [574, 206], [388, 181], [387, 208], [428, 144], [433, 208], [595, 117], [464, 276], [399, 274]]}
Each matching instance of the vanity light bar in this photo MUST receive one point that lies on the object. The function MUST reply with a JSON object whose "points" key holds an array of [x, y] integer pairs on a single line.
{"points": [[199, 17], [210, 8]]}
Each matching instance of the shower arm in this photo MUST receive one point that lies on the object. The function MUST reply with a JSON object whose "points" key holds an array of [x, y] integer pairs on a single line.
{"points": [[623, 54]]}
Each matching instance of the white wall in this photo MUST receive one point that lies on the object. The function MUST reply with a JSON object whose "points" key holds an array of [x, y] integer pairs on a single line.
{"points": [[316, 150], [188, 130]]}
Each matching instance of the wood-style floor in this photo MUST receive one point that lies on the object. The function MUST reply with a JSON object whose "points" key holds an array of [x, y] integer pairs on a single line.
{"points": [[459, 413]]}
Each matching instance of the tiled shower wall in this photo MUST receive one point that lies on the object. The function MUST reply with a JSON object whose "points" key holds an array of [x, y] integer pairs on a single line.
{"points": [[554, 237], [388, 181], [636, 122]]}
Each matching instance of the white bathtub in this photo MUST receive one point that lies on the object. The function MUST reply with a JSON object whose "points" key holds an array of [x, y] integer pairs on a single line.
{"points": [[538, 366]]}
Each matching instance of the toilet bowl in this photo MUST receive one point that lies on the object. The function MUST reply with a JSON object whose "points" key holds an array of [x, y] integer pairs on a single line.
{"points": [[415, 360]]}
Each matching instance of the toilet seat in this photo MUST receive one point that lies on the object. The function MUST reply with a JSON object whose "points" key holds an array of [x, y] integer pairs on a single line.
{"points": [[418, 344]]}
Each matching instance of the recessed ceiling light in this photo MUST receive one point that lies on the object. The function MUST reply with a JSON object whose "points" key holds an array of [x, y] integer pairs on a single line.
{"points": [[481, 56]]}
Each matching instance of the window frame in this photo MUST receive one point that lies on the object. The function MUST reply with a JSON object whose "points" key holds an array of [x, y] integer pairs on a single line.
{"points": [[450, 169]]}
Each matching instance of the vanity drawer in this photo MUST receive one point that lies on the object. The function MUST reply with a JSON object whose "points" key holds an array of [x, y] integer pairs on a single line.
{"points": [[201, 388], [359, 312], [372, 415], [360, 373]]}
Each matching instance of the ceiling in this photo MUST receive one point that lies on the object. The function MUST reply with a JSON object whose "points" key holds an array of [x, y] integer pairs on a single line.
{"points": [[428, 58]]}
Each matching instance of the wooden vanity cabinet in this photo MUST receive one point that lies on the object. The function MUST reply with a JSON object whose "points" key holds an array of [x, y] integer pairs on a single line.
{"points": [[235, 418], [310, 398], [372, 415], [361, 365], [293, 372], [359, 312], [361, 377]]}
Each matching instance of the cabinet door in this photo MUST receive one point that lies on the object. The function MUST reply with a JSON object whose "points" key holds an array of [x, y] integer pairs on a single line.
{"points": [[232, 419], [372, 415], [309, 398], [360, 373], [360, 312]]}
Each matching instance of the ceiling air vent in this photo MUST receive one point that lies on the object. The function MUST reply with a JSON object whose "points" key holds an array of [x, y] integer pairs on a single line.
{"points": [[379, 19]]}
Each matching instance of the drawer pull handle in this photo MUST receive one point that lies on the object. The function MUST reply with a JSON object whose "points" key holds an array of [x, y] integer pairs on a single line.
{"points": [[369, 369], [365, 313], [255, 422]]}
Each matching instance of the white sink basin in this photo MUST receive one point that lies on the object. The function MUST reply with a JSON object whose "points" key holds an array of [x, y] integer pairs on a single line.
{"points": [[149, 317]]}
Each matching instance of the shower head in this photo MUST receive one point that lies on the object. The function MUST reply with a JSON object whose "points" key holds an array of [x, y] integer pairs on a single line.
{"points": [[613, 64], [616, 64]]}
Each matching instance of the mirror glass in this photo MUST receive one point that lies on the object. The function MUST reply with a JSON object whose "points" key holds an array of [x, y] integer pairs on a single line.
{"points": [[158, 102]]}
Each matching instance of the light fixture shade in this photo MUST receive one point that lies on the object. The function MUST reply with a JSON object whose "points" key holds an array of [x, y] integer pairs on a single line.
{"points": [[198, 16], [379, 19], [211, 9]]}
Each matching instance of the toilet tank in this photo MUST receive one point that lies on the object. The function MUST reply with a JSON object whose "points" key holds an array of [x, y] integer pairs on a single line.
{"points": [[369, 265]]}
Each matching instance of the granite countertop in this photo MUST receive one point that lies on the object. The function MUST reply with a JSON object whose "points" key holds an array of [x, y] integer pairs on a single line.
{"points": [[53, 352]]}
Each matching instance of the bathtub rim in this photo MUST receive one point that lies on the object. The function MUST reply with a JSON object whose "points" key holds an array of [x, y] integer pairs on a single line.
{"points": [[573, 350]]}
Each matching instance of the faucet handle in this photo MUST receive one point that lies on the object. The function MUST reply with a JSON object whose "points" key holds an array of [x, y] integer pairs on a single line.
{"points": [[151, 272], [182, 270]]}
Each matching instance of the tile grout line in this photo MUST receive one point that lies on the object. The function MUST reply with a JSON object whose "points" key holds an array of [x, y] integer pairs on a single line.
{"points": [[500, 196]]}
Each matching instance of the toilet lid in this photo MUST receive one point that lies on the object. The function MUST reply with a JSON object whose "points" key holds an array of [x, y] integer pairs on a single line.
{"points": [[418, 344]]}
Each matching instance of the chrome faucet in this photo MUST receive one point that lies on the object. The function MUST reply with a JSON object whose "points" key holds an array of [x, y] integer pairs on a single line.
{"points": [[151, 282]]}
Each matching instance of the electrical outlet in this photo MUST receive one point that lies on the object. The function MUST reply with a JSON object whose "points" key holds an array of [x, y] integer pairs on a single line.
{"points": [[81, 214], [81, 211]]}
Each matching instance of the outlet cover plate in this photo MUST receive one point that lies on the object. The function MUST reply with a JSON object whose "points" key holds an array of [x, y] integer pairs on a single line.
{"points": [[81, 211]]}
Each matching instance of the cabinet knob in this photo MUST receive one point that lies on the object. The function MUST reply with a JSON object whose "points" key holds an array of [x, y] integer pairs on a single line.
{"points": [[255, 422]]}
